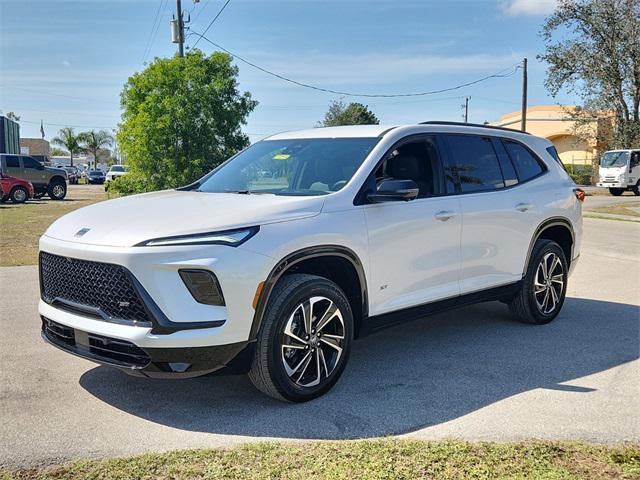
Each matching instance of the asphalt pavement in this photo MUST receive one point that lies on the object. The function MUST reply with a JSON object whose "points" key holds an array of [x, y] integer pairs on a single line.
{"points": [[472, 373]]}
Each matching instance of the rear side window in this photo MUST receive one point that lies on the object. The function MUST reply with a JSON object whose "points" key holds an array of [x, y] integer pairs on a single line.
{"points": [[554, 153], [526, 165], [12, 161], [30, 162], [473, 165]]}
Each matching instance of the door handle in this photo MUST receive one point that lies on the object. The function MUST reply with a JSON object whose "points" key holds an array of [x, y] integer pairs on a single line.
{"points": [[444, 215], [523, 207]]}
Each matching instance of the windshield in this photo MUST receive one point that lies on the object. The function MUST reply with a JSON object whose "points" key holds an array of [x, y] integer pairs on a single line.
{"points": [[117, 168], [291, 167], [95, 172], [614, 159]]}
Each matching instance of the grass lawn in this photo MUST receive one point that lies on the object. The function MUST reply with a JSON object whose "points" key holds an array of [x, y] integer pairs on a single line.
{"points": [[631, 209], [371, 459], [23, 224]]}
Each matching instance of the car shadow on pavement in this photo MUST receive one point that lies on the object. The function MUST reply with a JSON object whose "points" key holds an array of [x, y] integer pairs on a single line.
{"points": [[401, 379]]}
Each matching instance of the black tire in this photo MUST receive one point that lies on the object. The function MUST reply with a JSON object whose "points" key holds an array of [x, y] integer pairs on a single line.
{"points": [[57, 190], [525, 305], [268, 372], [19, 195], [616, 192], [636, 189]]}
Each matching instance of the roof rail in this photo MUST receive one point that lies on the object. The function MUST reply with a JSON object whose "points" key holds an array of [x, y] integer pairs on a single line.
{"points": [[462, 124]]}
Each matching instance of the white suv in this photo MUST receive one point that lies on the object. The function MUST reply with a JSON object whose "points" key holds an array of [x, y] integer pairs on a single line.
{"points": [[278, 259]]}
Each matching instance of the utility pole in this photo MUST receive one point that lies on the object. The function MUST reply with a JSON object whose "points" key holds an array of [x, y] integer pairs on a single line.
{"points": [[466, 109], [181, 29], [523, 125], [177, 29]]}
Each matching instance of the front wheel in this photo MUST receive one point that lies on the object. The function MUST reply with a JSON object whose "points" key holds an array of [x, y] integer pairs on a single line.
{"points": [[304, 340], [543, 287], [616, 192], [636, 189], [57, 190]]}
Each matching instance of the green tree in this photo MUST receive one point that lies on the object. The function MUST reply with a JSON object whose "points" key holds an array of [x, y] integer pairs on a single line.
{"points": [[58, 152], [352, 114], [68, 139], [92, 142], [593, 50], [182, 117]]}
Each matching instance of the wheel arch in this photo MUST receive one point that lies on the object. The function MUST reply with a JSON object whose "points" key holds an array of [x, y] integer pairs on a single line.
{"points": [[57, 179], [558, 229], [335, 262]]}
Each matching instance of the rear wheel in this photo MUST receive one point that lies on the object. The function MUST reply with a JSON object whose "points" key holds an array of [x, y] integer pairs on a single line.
{"points": [[19, 195], [57, 190], [304, 340], [636, 189], [616, 192], [544, 286]]}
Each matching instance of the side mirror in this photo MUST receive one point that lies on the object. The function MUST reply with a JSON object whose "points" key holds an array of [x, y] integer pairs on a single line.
{"points": [[392, 190]]}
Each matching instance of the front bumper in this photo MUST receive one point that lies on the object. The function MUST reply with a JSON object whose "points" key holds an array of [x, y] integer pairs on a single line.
{"points": [[199, 339], [611, 185], [148, 362]]}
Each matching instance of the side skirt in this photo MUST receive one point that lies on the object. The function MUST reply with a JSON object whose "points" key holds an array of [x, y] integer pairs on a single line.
{"points": [[378, 322]]}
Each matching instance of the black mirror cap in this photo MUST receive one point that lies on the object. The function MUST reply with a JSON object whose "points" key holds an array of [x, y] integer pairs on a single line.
{"points": [[392, 190]]}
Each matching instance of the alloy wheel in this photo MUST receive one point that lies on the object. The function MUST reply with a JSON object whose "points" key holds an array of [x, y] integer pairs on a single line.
{"points": [[58, 191], [548, 283], [312, 342], [19, 195]]}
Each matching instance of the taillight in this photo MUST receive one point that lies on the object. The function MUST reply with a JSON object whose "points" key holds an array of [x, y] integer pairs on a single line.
{"points": [[580, 194]]}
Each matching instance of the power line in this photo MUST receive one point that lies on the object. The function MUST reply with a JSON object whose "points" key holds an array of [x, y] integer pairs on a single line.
{"points": [[163, 3], [153, 27], [500, 74], [42, 92], [67, 125], [202, 9], [211, 23]]}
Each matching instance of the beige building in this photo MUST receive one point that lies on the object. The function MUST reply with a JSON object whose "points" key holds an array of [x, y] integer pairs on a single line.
{"points": [[34, 146], [552, 123]]}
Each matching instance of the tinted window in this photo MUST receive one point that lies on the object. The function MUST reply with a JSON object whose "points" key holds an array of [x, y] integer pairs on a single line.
{"points": [[526, 165], [416, 160], [473, 164], [13, 161], [508, 172], [30, 163]]}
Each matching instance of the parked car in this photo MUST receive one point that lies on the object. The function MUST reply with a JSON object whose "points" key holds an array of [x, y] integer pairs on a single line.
{"points": [[358, 228], [45, 180], [116, 171], [96, 176], [620, 171], [15, 189], [72, 174]]}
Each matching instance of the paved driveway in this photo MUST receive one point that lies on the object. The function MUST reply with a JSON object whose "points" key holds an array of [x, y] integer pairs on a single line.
{"points": [[471, 373]]}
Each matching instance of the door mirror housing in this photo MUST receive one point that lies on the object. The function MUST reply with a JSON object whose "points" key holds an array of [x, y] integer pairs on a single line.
{"points": [[392, 190]]}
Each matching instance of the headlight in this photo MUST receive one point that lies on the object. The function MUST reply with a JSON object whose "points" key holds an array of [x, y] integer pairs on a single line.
{"points": [[232, 238]]}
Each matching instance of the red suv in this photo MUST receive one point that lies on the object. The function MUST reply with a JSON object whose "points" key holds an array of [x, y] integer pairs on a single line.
{"points": [[16, 189]]}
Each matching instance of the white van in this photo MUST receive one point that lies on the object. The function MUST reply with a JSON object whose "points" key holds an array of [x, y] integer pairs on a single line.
{"points": [[620, 171]]}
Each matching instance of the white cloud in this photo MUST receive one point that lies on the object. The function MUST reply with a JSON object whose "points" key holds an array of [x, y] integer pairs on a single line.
{"points": [[66, 63], [527, 7]]}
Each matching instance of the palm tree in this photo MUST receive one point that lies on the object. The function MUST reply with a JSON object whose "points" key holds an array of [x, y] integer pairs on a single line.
{"points": [[68, 139], [93, 141]]}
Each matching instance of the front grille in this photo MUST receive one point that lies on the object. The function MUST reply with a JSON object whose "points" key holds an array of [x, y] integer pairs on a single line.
{"points": [[95, 347], [105, 289]]}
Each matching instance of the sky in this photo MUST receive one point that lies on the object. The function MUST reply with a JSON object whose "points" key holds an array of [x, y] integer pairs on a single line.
{"points": [[65, 62]]}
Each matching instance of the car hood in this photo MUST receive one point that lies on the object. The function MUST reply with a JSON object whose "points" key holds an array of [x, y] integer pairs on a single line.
{"points": [[58, 171], [127, 221]]}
